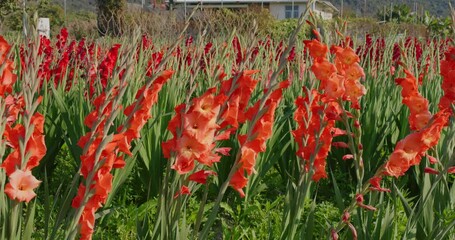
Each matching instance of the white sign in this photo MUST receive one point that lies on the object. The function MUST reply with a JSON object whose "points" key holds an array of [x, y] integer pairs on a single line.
{"points": [[44, 27]]}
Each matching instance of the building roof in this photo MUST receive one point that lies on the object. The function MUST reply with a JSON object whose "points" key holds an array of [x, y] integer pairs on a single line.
{"points": [[326, 3], [329, 5]]}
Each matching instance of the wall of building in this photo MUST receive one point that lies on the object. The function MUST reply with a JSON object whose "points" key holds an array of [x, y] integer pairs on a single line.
{"points": [[278, 9]]}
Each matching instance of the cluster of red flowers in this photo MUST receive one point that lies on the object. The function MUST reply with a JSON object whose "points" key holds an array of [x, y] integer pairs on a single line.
{"points": [[98, 167], [154, 62], [21, 181], [107, 66], [314, 132], [19, 163], [195, 127], [417, 104], [63, 66], [103, 152], [317, 112], [448, 84], [409, 151], [427, 128], [45, 50], [60, 70], [255, 142], [339, 80], [72, 57], [7, 77], [194, 132], [373, 50], [213, 117]]}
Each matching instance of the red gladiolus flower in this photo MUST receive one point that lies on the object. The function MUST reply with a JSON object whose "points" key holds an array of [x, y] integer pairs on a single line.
{"points": [[348, 156], [431, 171], [201, 176], [183, 191], [376, 185], [448, 84], [62, 38], [359, 200], [340, 145], [106, 67]]}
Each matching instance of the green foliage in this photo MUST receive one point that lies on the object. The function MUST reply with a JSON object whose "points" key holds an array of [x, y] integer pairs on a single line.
{"points": [[12, 14], [221, 22], [400, 13], [52, 11], [438, 26], [258, 219], [6, 7], [281, 29], [82, 24]]}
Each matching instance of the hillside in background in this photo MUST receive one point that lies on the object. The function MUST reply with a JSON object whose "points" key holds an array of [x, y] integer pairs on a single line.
{"points": [[439, 8]]}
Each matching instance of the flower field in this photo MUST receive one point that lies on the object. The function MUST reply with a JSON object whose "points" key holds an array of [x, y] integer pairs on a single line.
{"points": [[227, 138]]}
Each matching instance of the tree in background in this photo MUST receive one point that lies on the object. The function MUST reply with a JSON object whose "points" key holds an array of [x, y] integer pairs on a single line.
{"points": [[6, 6], [400, 13], [54, 12], [8, 10], [11, 13], [438, 26], [110, 16]]}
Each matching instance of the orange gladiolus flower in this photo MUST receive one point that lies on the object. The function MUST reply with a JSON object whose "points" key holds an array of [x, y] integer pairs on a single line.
{"points": [[197, 126], [339, 80], [317, 49], [309, 123], [354, 72], [21, 185], [239, 181], [4, 48], [7, 77], [416, 103], [256, 142], [410, 150], [323, 70]]}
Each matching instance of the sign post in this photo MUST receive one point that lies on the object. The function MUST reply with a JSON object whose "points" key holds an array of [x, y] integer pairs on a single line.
{"points": [[44, 28]]}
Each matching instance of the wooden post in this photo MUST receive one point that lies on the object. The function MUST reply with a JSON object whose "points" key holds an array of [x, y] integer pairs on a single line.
{"points": [[341, 13]]}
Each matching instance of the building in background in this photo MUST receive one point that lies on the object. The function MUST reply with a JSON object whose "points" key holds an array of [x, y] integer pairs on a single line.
{"points": [[280, 9]]}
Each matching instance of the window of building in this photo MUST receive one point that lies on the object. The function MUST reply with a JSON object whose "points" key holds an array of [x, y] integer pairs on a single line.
{"points": [[291, 11]]}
